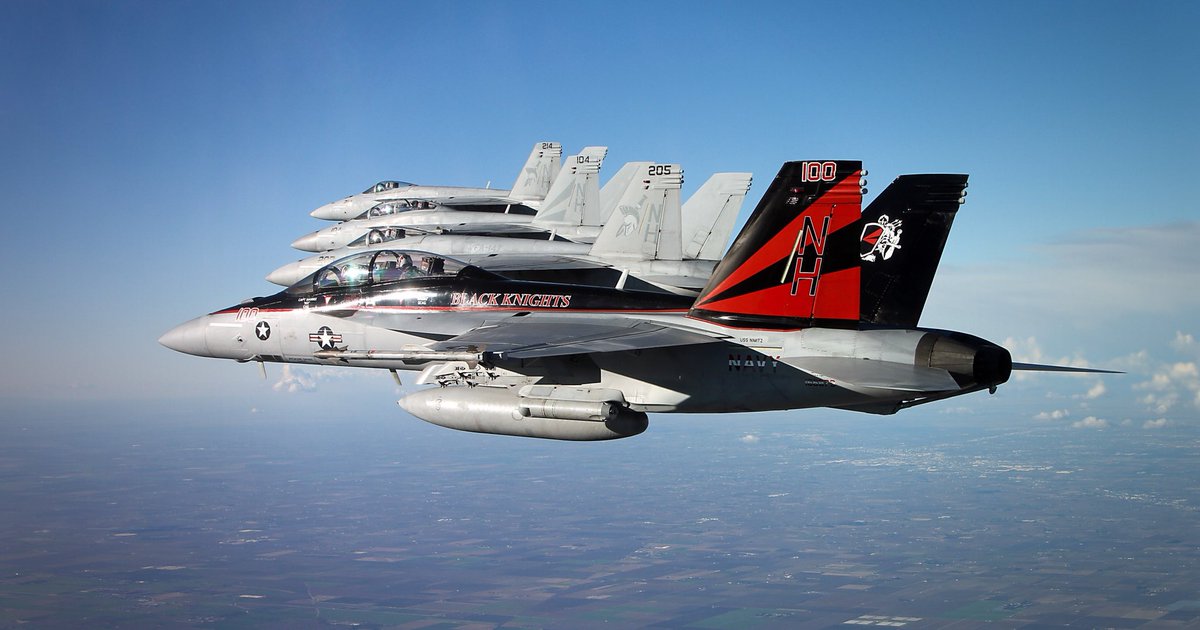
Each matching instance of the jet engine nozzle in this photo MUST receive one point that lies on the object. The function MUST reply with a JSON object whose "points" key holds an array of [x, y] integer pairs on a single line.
{"points": [[970, 360]]}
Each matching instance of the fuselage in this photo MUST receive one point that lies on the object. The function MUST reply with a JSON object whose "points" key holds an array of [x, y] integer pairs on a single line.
{"points": [[463, 246], [354, 205], [342, 234], [395, 325], [680, 276]]}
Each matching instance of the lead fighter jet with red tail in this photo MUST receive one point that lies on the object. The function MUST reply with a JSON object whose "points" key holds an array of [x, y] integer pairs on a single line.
{"points": [[816, 304]]}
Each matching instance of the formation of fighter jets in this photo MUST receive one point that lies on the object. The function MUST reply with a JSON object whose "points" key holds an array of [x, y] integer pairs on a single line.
{"points": [[563, 309]]}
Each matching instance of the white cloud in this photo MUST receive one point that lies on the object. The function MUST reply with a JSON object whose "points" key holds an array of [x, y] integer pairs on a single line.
{"points": [[1113, 288], [1096, 391], [1029, 350], [1168, 384], [1185, 343], [1057, 414], [749, 438], [293, 380], [1026, 350], [1090, 422], [1155, 424]]}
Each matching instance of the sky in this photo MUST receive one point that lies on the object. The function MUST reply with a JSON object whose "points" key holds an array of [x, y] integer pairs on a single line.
{"points": [[159, 157]]}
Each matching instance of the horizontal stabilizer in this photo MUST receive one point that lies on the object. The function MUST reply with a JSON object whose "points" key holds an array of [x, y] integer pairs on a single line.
{"points": [[1036, 367]]}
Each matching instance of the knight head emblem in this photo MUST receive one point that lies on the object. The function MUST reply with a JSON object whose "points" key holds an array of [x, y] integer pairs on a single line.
{"points": [[880, 239]]}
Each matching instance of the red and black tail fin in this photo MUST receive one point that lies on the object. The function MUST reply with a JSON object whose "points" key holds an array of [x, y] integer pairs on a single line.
{"points": [[903, 233], [796, 262]]}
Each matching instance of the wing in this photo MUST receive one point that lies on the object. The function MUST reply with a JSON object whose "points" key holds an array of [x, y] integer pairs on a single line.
{"points": [[488, 229], [464, 201], [500, 263], [529, 337]]}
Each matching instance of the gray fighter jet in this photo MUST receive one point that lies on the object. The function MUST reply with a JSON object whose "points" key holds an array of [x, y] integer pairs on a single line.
{"points": [[816, 304], [575, 190], [532, 184], [631, 245]]}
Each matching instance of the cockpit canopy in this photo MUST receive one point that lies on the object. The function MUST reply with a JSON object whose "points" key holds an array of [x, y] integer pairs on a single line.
{"points": [[382, 267], [392, 207], [380, 235], [385, 186]]}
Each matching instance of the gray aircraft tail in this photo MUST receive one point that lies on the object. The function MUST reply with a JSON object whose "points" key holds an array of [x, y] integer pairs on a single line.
{"points": [[536, 177], [710, 213], [646, 222], [575, 194], [614, 189]]}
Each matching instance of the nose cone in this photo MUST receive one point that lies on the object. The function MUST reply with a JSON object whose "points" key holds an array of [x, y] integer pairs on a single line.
{"points": [[336, 211], [287, 275], [188, 337], [309, 242]]}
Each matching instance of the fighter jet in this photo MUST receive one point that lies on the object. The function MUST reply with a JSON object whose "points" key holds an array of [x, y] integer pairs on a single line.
{"points": [[631, 245], [532, 184], [816, 304], [575, 189]]}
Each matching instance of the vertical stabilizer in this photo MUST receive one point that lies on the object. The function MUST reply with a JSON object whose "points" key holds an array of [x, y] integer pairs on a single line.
{"points": [[576, 191], [646, 222], [903, 234], [535, 178], [709, 215], [615, 188], [795, 262]]}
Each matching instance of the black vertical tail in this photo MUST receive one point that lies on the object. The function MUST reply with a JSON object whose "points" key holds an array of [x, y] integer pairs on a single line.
{"points": [[903, 233]]}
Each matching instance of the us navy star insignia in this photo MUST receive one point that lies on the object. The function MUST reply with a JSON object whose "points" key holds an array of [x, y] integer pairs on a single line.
{"points": [[325, 338], [263, 331]]}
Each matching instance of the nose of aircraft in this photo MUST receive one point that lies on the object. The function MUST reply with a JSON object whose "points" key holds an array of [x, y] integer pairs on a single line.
{"points": [[188, 337], [330, 212], [286, 275], [308, 242]]}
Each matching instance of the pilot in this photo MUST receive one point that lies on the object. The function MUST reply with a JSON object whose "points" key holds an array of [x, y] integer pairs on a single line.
{"points": [[407, 270]]}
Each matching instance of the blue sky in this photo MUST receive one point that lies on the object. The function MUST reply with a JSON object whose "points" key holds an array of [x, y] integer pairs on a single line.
{"points": [[160, 156]]}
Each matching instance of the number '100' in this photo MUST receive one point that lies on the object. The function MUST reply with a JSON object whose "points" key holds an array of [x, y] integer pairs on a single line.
{"points": [[818, 171]]}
